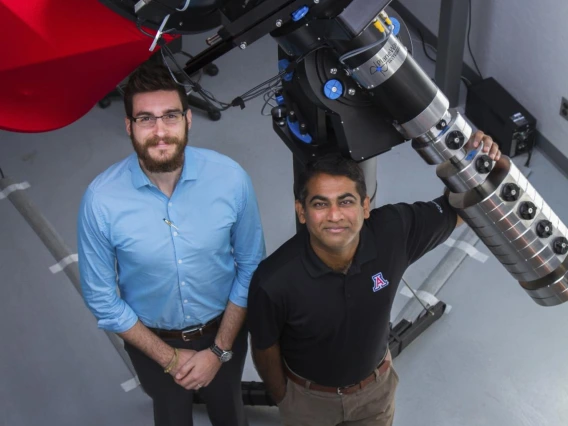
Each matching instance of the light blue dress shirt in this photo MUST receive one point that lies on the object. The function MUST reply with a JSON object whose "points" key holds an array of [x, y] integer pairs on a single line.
{"points": [[174, 275]]}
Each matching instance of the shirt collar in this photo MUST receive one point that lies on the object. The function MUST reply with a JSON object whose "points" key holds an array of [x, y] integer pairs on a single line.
{"points": [[366, 251], [188, 172]]}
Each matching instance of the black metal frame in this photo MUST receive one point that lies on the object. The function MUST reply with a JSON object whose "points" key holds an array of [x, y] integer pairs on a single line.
{"points": [[247, 29], [451, 45]]}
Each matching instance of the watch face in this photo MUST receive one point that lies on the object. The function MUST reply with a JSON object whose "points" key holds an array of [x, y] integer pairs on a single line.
{"points": [[226, 356]]}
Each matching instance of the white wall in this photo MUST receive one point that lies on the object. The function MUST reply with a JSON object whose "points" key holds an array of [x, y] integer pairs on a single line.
{"points": [[523, 44]]}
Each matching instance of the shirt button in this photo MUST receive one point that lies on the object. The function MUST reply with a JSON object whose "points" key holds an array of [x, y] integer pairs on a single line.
{"points": [[185, 301], [187, 316], [179, 261], [183, 283], [175, 234], [170, 204]]}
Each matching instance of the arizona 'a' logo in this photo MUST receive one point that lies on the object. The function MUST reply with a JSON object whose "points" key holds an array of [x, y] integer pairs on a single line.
{"points": [[379, 282]]}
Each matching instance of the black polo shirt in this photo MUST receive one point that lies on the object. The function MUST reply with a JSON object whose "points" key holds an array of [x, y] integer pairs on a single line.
{"points": [[333, 328]]}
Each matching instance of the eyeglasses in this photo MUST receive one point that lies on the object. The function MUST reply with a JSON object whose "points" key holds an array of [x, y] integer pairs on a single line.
{"points": [[148, 121]]}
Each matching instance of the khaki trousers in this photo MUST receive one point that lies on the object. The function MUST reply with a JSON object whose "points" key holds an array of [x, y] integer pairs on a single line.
{"points": [[371, 406]]}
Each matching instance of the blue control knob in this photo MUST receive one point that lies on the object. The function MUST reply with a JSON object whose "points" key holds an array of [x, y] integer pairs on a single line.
{"points": [[300, 13], [282, 66], [333, 89], [396, 25]]}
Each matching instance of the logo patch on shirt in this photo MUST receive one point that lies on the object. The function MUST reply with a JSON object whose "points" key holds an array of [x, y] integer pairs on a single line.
{"points": [[438, 206], [379, 282]]}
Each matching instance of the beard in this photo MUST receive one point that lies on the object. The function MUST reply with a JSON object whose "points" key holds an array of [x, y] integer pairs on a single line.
{"points": [[163, 164]]}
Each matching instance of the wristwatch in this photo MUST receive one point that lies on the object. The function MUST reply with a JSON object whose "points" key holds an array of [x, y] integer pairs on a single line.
{"points": [[223, 355]]}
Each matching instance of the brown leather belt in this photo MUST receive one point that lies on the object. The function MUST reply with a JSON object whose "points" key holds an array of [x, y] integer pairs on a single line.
{"points": [[345, 390], [192, 333]]}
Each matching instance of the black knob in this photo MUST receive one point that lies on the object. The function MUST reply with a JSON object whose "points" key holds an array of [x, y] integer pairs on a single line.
{"points": [[292, 116], [442, 124], [560, 245], [527, 210], [483, 164], [303, 129], [279, 115], [510, 192], [455, 140], [544, 229]]}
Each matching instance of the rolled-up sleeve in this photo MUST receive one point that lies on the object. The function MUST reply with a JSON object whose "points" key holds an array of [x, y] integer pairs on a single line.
{"points": [[247, 240], [97, 269]]}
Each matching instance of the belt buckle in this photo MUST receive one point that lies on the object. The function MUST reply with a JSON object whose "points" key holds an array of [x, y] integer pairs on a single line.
{"points": [[184, 333], [342, 388]]}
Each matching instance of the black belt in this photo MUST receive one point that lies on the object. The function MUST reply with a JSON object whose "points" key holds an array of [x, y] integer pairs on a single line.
{"points": [[190, 333]]}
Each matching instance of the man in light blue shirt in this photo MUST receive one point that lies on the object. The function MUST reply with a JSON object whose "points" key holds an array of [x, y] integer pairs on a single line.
{"points": [[178, 230]]}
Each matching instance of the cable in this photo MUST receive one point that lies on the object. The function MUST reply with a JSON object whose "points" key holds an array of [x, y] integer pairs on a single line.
{"points": [[200, 72], [197, 78], [528, 162], [424, 44], [360, 50], [268, 97], [469, 43], [139, 26], [466, 81], [169, 68], [2, 174], [184, 8], [253, 93], [159, 33], [165, 50], [205, 95], [259, 90], [356, 52]]}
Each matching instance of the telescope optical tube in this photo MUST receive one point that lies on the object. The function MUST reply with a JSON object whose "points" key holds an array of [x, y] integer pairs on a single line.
{"points": [[495, 199]]}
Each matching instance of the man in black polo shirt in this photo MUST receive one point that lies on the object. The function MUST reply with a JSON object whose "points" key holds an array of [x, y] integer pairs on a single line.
{"points": [[319, 307]]}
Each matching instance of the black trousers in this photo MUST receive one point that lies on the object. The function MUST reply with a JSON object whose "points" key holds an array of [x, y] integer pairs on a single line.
{"points": [[173, 404]]}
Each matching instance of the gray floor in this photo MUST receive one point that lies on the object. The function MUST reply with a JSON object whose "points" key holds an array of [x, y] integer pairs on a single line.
{"points": [[496, 359]]}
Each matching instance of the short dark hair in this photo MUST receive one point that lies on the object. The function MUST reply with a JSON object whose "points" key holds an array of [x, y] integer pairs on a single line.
{"points": [[334, 165], [151, 76]]}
